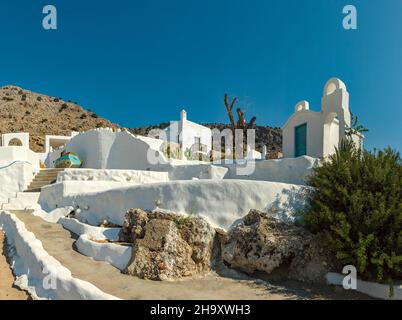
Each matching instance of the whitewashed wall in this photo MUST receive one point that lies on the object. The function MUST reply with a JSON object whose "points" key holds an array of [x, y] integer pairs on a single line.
{"points": [[286, 170], [11, 154], [14, 178], [314, 134], [222, 202], [133, 176], [326, 128], [105, 149]]}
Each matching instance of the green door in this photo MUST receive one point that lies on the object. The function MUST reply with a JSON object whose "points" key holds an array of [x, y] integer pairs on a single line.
{"points": [[301, 140]]}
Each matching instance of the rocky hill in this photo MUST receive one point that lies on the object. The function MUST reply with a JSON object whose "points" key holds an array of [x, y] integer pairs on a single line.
{"points": [[25, 111], [265, 135]]}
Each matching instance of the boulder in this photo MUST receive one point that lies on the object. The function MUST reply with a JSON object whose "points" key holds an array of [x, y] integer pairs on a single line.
{"points": [[133, 225], [314, 262], [263, 243], [162, 254], [167, 246]]}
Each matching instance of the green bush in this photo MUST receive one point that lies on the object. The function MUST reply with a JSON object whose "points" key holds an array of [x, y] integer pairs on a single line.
{"points": [[64, 106], [356, 200]]}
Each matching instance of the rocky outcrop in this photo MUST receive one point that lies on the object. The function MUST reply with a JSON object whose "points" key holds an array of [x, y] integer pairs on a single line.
{"points": [[168, 246], [263, 243], [22, 110]]}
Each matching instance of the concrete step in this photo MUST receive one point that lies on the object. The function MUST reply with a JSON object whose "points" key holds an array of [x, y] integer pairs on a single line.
{"points": [[42, 182], [43, 178], [23, 201], [33, 190]]}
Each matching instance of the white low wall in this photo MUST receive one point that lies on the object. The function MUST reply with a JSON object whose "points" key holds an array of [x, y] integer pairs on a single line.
{"points": [[196, 170], [12, 154], [117, 255], [131, 176], [51, 196], [14, 178], [95, 233], [372, 289], [287, 170], [222, 202], [30, 259]]}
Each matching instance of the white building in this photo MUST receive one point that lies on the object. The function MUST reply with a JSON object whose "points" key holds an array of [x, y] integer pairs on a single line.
{"points": [[317, 134], [193, 138]]}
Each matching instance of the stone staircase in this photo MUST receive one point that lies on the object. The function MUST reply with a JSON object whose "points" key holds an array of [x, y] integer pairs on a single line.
{"points": [[43, 178]]}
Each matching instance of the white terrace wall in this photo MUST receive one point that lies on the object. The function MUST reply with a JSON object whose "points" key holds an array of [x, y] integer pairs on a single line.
{"points": [[221, 202], [132, 176], [11, 154], [14, 178], [286, 170]]}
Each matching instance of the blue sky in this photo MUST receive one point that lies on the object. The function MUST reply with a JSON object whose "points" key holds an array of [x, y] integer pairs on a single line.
{"points": [[140, 62]]}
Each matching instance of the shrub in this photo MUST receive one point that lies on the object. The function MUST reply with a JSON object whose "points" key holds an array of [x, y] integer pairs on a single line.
{"points": [[94, 115], [63, 107], [356, 202], [83, 116], [39, 98]]}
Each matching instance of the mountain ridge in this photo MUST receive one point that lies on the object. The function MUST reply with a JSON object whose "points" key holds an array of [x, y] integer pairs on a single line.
{"points": [[22, 110]]}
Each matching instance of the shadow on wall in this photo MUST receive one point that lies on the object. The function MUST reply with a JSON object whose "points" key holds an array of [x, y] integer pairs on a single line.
{"points": [[288, 210]]}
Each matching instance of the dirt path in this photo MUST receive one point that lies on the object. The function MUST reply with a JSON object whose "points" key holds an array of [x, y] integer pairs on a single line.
{"points": [[7, 291], [58, 242]]}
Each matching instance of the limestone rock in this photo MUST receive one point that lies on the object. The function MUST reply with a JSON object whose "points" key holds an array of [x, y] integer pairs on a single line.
{"points": [[263, 243], [167, 246], [133, 225], [314, 262], [162, 254]]}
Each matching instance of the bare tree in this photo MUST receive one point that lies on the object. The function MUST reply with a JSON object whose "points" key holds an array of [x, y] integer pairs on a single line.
{"points": [[241, 118]]}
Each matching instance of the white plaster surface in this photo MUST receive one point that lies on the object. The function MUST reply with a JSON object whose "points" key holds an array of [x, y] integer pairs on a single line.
{"points": [[23, 137], [51, 196], [8, 155], [23, 201], [325, 128], [221, 202], [131, 176], [104, 149], [185, 133], [95, 233], [286, 170], [372, 289], [53, 216], [14, 178], [29, 261], [117, 255]]}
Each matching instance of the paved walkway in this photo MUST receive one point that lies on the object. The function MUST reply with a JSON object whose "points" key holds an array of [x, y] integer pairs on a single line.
{"points": [[7, 290], [58, 243]]}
